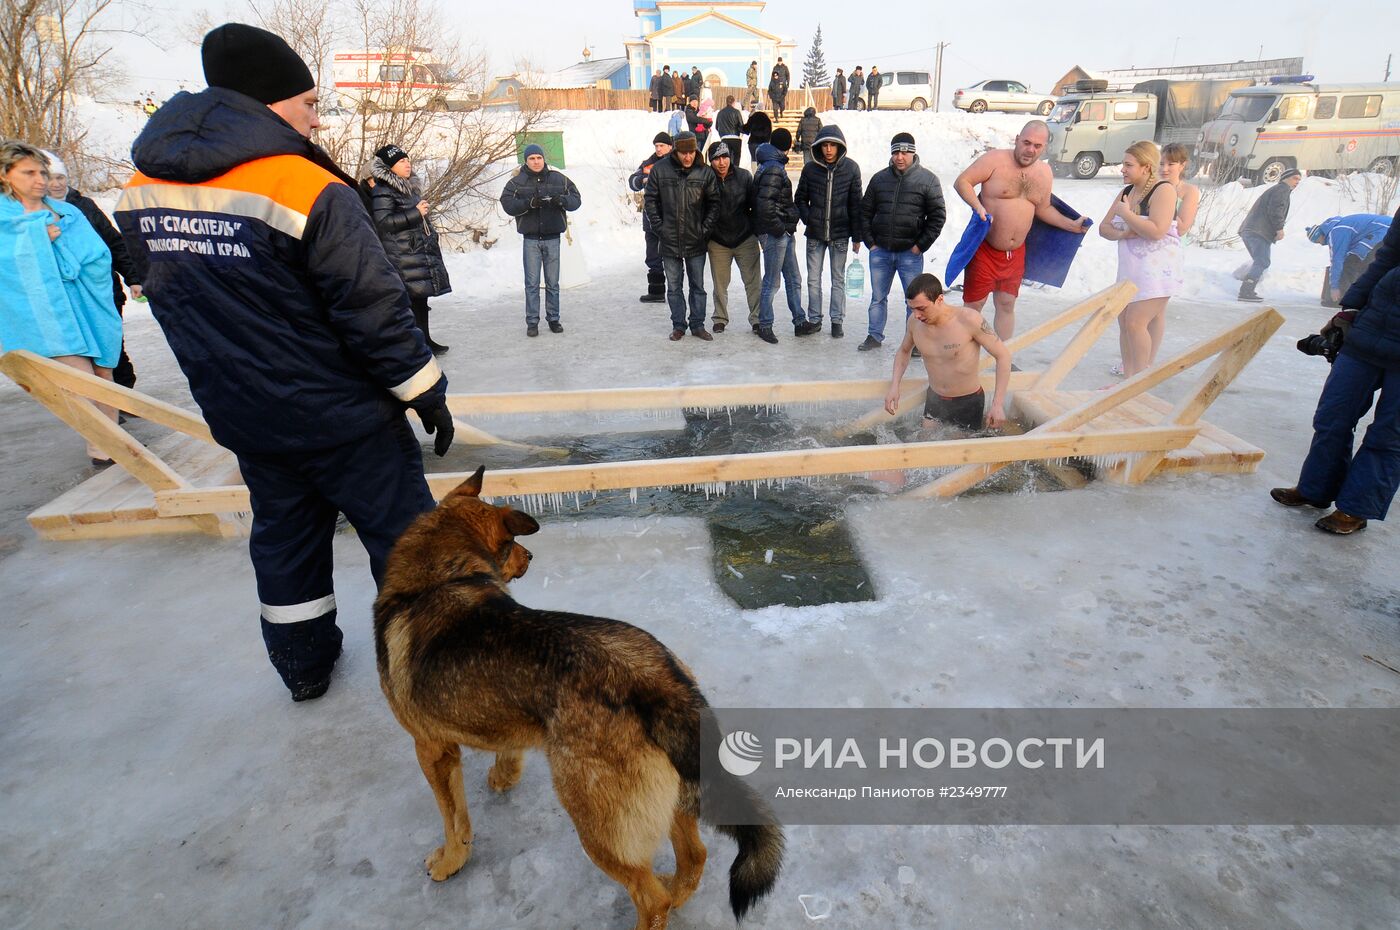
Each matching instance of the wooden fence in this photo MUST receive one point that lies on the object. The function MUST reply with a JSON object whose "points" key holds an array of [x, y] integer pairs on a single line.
{"points": [[595, 98]]}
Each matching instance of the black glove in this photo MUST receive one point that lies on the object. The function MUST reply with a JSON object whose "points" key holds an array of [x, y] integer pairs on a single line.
{"points": [[438, 420], [546, 201], [534, 203]]}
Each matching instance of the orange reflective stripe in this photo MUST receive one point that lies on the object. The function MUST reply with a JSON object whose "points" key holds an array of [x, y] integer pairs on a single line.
{"points": [[288, 180]]}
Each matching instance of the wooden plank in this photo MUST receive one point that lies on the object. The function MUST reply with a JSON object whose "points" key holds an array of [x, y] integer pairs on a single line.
{"points": [[122, 529], [1227, 439], [716, 469], [1140, 383], [1065, 318], [103, 391], [1089, 333]]}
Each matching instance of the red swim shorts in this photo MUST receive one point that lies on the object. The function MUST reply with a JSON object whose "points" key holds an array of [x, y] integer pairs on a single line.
{"points": [[993, 270]]}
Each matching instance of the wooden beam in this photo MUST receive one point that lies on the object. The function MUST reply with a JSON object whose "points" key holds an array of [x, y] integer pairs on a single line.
{"points": [[711, 396], [716, 469], [1105, 401], [1212, 384], [1114, 302], [105, 392]]}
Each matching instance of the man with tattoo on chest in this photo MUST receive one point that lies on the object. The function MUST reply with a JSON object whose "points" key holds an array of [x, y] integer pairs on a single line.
{"points": [[1015, 192], [951, 340]]}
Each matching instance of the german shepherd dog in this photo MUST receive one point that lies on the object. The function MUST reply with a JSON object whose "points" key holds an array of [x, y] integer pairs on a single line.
{"points": [[617, 715]]}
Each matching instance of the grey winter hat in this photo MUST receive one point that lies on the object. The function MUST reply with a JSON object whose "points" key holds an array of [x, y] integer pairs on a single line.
{"points": [[902, 142], [255, 62], [1290, 173]]}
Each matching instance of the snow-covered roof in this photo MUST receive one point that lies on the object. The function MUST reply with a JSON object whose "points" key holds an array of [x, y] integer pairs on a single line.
{"points": [[583, 74]]}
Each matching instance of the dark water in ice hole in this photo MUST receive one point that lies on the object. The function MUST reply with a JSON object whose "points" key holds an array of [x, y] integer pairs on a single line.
{"points": [[814, 557]]}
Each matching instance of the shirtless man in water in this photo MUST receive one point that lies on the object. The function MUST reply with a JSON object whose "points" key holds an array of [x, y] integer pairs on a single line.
{"points": [[1015, 191], [951, 340]]}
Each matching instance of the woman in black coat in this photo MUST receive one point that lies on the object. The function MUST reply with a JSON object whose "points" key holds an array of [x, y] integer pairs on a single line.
{"points": [[401, 217]]}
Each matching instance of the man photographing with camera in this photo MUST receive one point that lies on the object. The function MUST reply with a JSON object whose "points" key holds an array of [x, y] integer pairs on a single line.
{"points": [[1364, 484]]}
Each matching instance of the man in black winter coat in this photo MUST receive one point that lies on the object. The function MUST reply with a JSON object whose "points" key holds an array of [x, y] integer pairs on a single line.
{"points": [[759, 128], [667, 87], [123, 268], [1363, 484], [873, 83], [902, 214], [855, 86], [637, 181], [729, 126], [838, 90], [732, 239], [655, 95], [296, 338], [807, 130], [828, 201], [1263, 226], [682, 205], [538, 197], [775, 222]]}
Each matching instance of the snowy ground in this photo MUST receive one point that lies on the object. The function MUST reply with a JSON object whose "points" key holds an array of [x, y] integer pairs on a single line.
{"points": [[155, 775]]}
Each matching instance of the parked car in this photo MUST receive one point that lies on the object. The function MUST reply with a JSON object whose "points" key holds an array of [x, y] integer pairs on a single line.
{"points": [[1092, 126], [902, 90], [1008, 96], [1263, 131]]}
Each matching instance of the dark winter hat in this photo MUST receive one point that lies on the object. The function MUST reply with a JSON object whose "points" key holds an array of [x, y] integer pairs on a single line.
{"points": [[255, 62], [661, 138], [533, 149], [719, 149], [1290, 173], [902, 142], [685, 142], [390, 154], [781, 139]]}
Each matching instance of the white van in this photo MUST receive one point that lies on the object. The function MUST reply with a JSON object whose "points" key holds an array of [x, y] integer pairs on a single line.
{"points": [[397, 78], [902, 90], [1321, 128]]}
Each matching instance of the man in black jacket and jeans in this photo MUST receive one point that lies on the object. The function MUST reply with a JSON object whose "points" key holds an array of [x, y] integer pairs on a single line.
{"points": [[637, 181], [828, 201], [902, 214], [1263, 226], [732, 240], [682, 205], [538, 197]]}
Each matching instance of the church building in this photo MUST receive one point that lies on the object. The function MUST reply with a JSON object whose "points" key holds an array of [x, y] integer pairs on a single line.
{"points": [[718, 38]]}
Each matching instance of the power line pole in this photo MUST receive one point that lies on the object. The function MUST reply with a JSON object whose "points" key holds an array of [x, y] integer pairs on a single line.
{"points": [[938, 75], [1387, 67]]}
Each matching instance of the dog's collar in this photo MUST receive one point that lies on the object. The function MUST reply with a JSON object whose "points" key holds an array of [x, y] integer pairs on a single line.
{"points": [[472, 578]]}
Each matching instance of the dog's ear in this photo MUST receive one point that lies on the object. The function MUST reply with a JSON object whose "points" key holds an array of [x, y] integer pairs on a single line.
{"points": [[472, 486], [520, 523]]}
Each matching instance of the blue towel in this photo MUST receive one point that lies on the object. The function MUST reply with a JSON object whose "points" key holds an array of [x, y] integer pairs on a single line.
{"points": [[1050, 251], [56, 297], [972, 237]]}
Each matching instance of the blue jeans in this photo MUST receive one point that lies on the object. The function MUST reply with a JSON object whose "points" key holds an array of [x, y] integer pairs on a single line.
{"points": [[541, 253], [780, 258], [1259, 249], [816, 253], [681, 272], [883, 265], [1363, 484]]}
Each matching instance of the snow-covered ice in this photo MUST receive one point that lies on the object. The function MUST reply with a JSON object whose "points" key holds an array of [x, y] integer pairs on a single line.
{"points": [[154, 773]]}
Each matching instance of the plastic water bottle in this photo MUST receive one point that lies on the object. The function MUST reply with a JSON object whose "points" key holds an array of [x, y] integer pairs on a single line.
{"points": [[855, 279]]}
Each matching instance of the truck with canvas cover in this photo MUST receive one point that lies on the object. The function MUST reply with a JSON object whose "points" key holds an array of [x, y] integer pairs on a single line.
{"points": [[1263, 131], [1091, 126]]}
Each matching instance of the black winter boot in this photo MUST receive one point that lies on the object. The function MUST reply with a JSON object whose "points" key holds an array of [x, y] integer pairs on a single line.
{"points": [[656, 289], [1247, 293]]}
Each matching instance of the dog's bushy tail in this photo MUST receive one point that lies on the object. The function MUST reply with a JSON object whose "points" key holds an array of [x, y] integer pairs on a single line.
{"points": [[745, 817]]}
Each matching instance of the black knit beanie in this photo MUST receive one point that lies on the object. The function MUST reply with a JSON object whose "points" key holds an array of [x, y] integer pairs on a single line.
{"points": [[661, 138], [902, 142], [390, 154], [255, 62], [781, 139]]}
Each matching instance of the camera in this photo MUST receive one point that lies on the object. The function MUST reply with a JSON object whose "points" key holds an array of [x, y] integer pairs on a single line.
{"points": [[1326, 344]]}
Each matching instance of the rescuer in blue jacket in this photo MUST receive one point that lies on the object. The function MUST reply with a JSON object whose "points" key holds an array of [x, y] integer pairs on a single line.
{"points": [[266, 275]]}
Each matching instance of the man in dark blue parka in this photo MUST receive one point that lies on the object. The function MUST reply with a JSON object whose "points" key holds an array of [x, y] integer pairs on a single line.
{"points": [[1364, 484], [263, 269]]}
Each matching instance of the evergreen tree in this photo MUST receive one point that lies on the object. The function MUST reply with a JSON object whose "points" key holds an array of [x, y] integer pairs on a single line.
{"points": [[814, 73]]}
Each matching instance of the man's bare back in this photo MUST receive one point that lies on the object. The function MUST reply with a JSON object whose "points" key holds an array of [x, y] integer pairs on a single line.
{"points": [[1010, 195]]}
